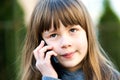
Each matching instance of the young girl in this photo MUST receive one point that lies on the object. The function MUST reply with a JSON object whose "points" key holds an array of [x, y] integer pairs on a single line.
{"points": [[61, 45]]}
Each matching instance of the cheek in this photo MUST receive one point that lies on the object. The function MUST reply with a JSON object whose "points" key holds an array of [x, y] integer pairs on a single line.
{"points": [[82, 44], [55, 47]]}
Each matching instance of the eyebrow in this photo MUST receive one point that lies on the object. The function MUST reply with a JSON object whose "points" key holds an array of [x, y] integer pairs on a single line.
{"points": [[49, 31]]}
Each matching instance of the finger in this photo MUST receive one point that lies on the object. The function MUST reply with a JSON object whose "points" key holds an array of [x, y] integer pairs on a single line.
{"points": [[43, 51], [49, 54], [36, 51], [40, 45]]}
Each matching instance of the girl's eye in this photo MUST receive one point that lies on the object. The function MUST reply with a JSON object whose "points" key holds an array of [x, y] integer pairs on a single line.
{"points": [[53, 35], [73, 30]]}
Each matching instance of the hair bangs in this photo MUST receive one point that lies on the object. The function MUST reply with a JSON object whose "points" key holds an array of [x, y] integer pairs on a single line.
{"points": [[67, 13], [64, 11]]}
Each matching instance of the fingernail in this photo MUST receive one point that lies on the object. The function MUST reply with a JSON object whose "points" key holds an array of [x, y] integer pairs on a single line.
{"points": [[42, 41]]}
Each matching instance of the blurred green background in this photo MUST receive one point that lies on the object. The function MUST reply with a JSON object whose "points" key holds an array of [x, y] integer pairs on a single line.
{"points": [[13, 30]]}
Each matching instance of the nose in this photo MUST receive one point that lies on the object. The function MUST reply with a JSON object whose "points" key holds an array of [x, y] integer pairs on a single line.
{"points": [[65, 42]]}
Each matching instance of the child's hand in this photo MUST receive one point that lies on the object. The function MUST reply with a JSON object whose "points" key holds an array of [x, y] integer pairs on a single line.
{"points": [[43, 62]]}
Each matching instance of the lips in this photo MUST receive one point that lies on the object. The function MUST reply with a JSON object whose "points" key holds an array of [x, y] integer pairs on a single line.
{"points": [[68, 55]]}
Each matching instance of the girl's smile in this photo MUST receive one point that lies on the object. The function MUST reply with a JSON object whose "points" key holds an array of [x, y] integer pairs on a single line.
{"points": [[68, 55], [70, 43]]}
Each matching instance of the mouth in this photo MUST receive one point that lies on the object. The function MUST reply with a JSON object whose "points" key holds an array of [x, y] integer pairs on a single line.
{"points": [[68, 55]]}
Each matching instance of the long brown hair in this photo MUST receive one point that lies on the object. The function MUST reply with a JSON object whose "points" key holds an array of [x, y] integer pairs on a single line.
{"points": [[96, 65]]}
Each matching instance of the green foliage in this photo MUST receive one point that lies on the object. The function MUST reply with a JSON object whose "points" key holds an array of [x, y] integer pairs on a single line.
{"points": [[12, 33], [6, 10], [109, 33]]}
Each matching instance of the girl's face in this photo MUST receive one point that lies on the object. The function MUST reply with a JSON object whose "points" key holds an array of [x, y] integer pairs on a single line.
{"points": [[70, 43]]}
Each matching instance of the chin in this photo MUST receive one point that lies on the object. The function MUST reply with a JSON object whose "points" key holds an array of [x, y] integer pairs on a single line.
{"points": [[69, 65]]}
